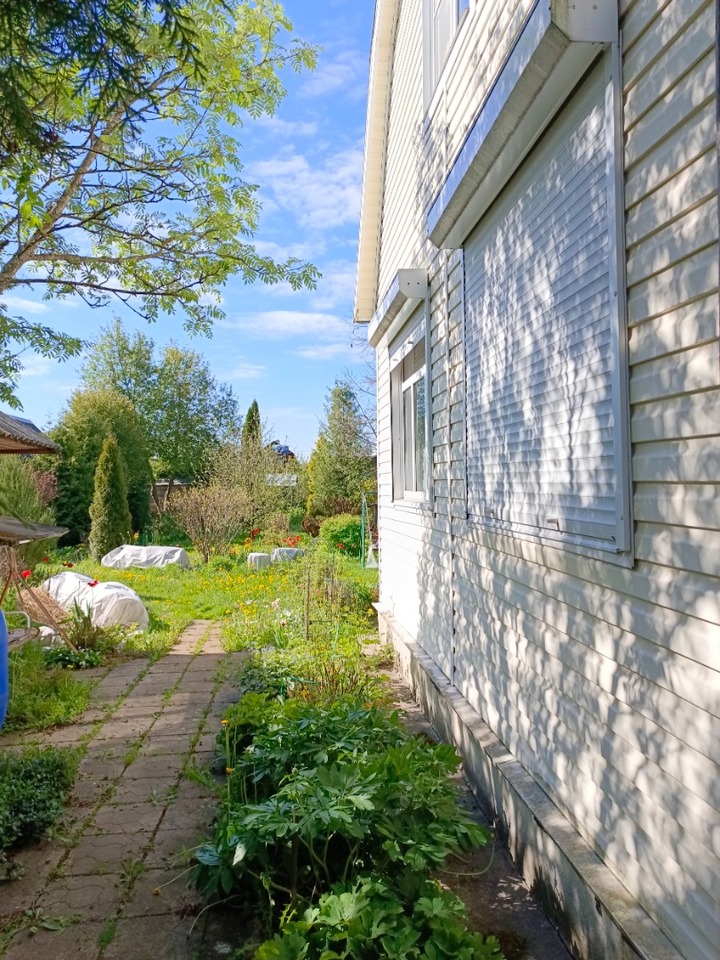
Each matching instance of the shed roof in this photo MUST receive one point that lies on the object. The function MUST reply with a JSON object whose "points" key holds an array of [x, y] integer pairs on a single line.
{"points": [[17, 531], [21, 436]]}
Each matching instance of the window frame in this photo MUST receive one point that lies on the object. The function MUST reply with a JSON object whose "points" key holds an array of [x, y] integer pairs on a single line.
{"points": [[433, 65], [403, 345]]}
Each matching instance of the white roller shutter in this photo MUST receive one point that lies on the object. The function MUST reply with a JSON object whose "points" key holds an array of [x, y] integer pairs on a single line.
{"points": [[544, 440]]}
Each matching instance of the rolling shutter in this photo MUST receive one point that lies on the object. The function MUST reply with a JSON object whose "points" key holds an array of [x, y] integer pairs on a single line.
{"points": [[541, 340]]}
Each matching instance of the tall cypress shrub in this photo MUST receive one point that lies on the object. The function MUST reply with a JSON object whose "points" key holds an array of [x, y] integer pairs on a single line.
{"points": [[110, 520]]}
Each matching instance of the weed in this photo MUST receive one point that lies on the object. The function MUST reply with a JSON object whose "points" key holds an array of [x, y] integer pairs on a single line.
{"points": [[107, 934], [130, 870], [134, 747]]}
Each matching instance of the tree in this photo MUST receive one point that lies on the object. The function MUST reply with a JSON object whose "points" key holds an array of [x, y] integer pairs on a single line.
{"points": [[98, 37], [139, 196], [192, 414], [90, 417], [123, 362], [110, 520], [185, 412], [252, 427], [342, 462]]}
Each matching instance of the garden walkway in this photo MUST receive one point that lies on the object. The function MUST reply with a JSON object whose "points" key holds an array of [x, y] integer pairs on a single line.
{"points": [[112, 882]]}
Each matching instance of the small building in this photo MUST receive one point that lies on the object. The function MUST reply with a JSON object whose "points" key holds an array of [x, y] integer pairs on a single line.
{"points": [[538, 270]]}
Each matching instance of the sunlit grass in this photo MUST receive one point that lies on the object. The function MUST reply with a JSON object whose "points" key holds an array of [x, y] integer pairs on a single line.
{"points": [[256, 607]]}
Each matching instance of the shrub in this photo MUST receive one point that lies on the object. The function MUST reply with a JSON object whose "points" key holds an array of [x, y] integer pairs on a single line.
{"points": [[110, 520], [327, 790], [311, 525], [33, 788], [212, 516], [277, 526], [342, 532], [21, 496], [296, 517]]}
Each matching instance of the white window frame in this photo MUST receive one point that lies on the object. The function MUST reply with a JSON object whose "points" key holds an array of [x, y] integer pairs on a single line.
{"points": [[434, 60], [404, 387]]}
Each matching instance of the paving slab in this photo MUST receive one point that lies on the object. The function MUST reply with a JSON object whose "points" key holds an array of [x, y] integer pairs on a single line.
{"points": [[104, 853], [78, 941], [88, 897]]}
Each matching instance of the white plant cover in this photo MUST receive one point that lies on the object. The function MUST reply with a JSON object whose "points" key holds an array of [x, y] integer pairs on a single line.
{"points": [[286, 553], [110, 603], [131, 556]]}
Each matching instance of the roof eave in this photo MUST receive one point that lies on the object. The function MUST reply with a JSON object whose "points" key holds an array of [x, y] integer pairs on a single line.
{"points": [[376, 128]]}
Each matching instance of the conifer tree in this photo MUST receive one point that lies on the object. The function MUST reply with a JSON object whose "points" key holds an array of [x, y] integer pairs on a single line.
{"points": [[110, 519], [252, 428]]}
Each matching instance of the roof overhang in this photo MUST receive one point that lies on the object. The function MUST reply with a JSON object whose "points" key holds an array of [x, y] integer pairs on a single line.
{"points": [[557, 44], [408, 289], [19, 437], [383, 42], [16, 531]]}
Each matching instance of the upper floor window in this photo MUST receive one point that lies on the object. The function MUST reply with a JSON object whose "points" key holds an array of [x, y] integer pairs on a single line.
{"points": [[441, 19]]}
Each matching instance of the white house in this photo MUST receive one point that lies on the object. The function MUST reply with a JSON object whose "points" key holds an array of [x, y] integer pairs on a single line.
{"points": [[538, 269]]}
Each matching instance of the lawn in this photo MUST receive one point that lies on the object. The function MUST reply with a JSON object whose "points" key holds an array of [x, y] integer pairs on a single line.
{"points": [[252, 604]]}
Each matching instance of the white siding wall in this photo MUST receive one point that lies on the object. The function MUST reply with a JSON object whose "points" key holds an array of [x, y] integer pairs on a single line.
{"points": [[603, 682]]}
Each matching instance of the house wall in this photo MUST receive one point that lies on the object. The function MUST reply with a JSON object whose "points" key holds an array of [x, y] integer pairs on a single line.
{"points": [[602, 681]]}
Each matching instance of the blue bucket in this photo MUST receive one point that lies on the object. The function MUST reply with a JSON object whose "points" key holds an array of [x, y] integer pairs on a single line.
{"points": [[4, 685]]}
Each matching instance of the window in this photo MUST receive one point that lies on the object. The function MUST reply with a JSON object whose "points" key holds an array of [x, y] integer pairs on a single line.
{"points": [[441, 19], [408, 386], [545, 372]]}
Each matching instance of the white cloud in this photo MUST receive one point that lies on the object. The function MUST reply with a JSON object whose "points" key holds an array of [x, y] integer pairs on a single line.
{"points": [[287, 324], [26, 306], [336, 287], [346, 72], [326, 195], [328, 351], [245, 371], [37, 366], [287, 128], [302, 250]]}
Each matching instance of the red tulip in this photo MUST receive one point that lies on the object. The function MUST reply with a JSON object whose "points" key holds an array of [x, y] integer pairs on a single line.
{"points": [[92, 583], [25, 574]]}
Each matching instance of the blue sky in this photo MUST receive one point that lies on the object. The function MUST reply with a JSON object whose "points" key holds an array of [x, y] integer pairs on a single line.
{"points": [[283, 348]]}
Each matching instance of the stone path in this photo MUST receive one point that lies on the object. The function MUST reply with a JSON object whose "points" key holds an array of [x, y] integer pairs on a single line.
{"points": [[112, 882]]}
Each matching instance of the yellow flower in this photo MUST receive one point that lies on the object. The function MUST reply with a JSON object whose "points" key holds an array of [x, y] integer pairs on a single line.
{"points": [[224, 723], [229, 769]]}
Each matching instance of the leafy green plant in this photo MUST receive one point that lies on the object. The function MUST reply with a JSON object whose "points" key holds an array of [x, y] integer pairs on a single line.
{"points": [[86, 635], [371, 919], [326, 789], [242, 721], [342, 532], [41, 697], [33, 788], [72, 659]]}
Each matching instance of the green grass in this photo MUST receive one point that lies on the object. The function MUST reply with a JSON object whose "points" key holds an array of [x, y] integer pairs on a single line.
{"points": [[41, 697], [241, 598]]}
